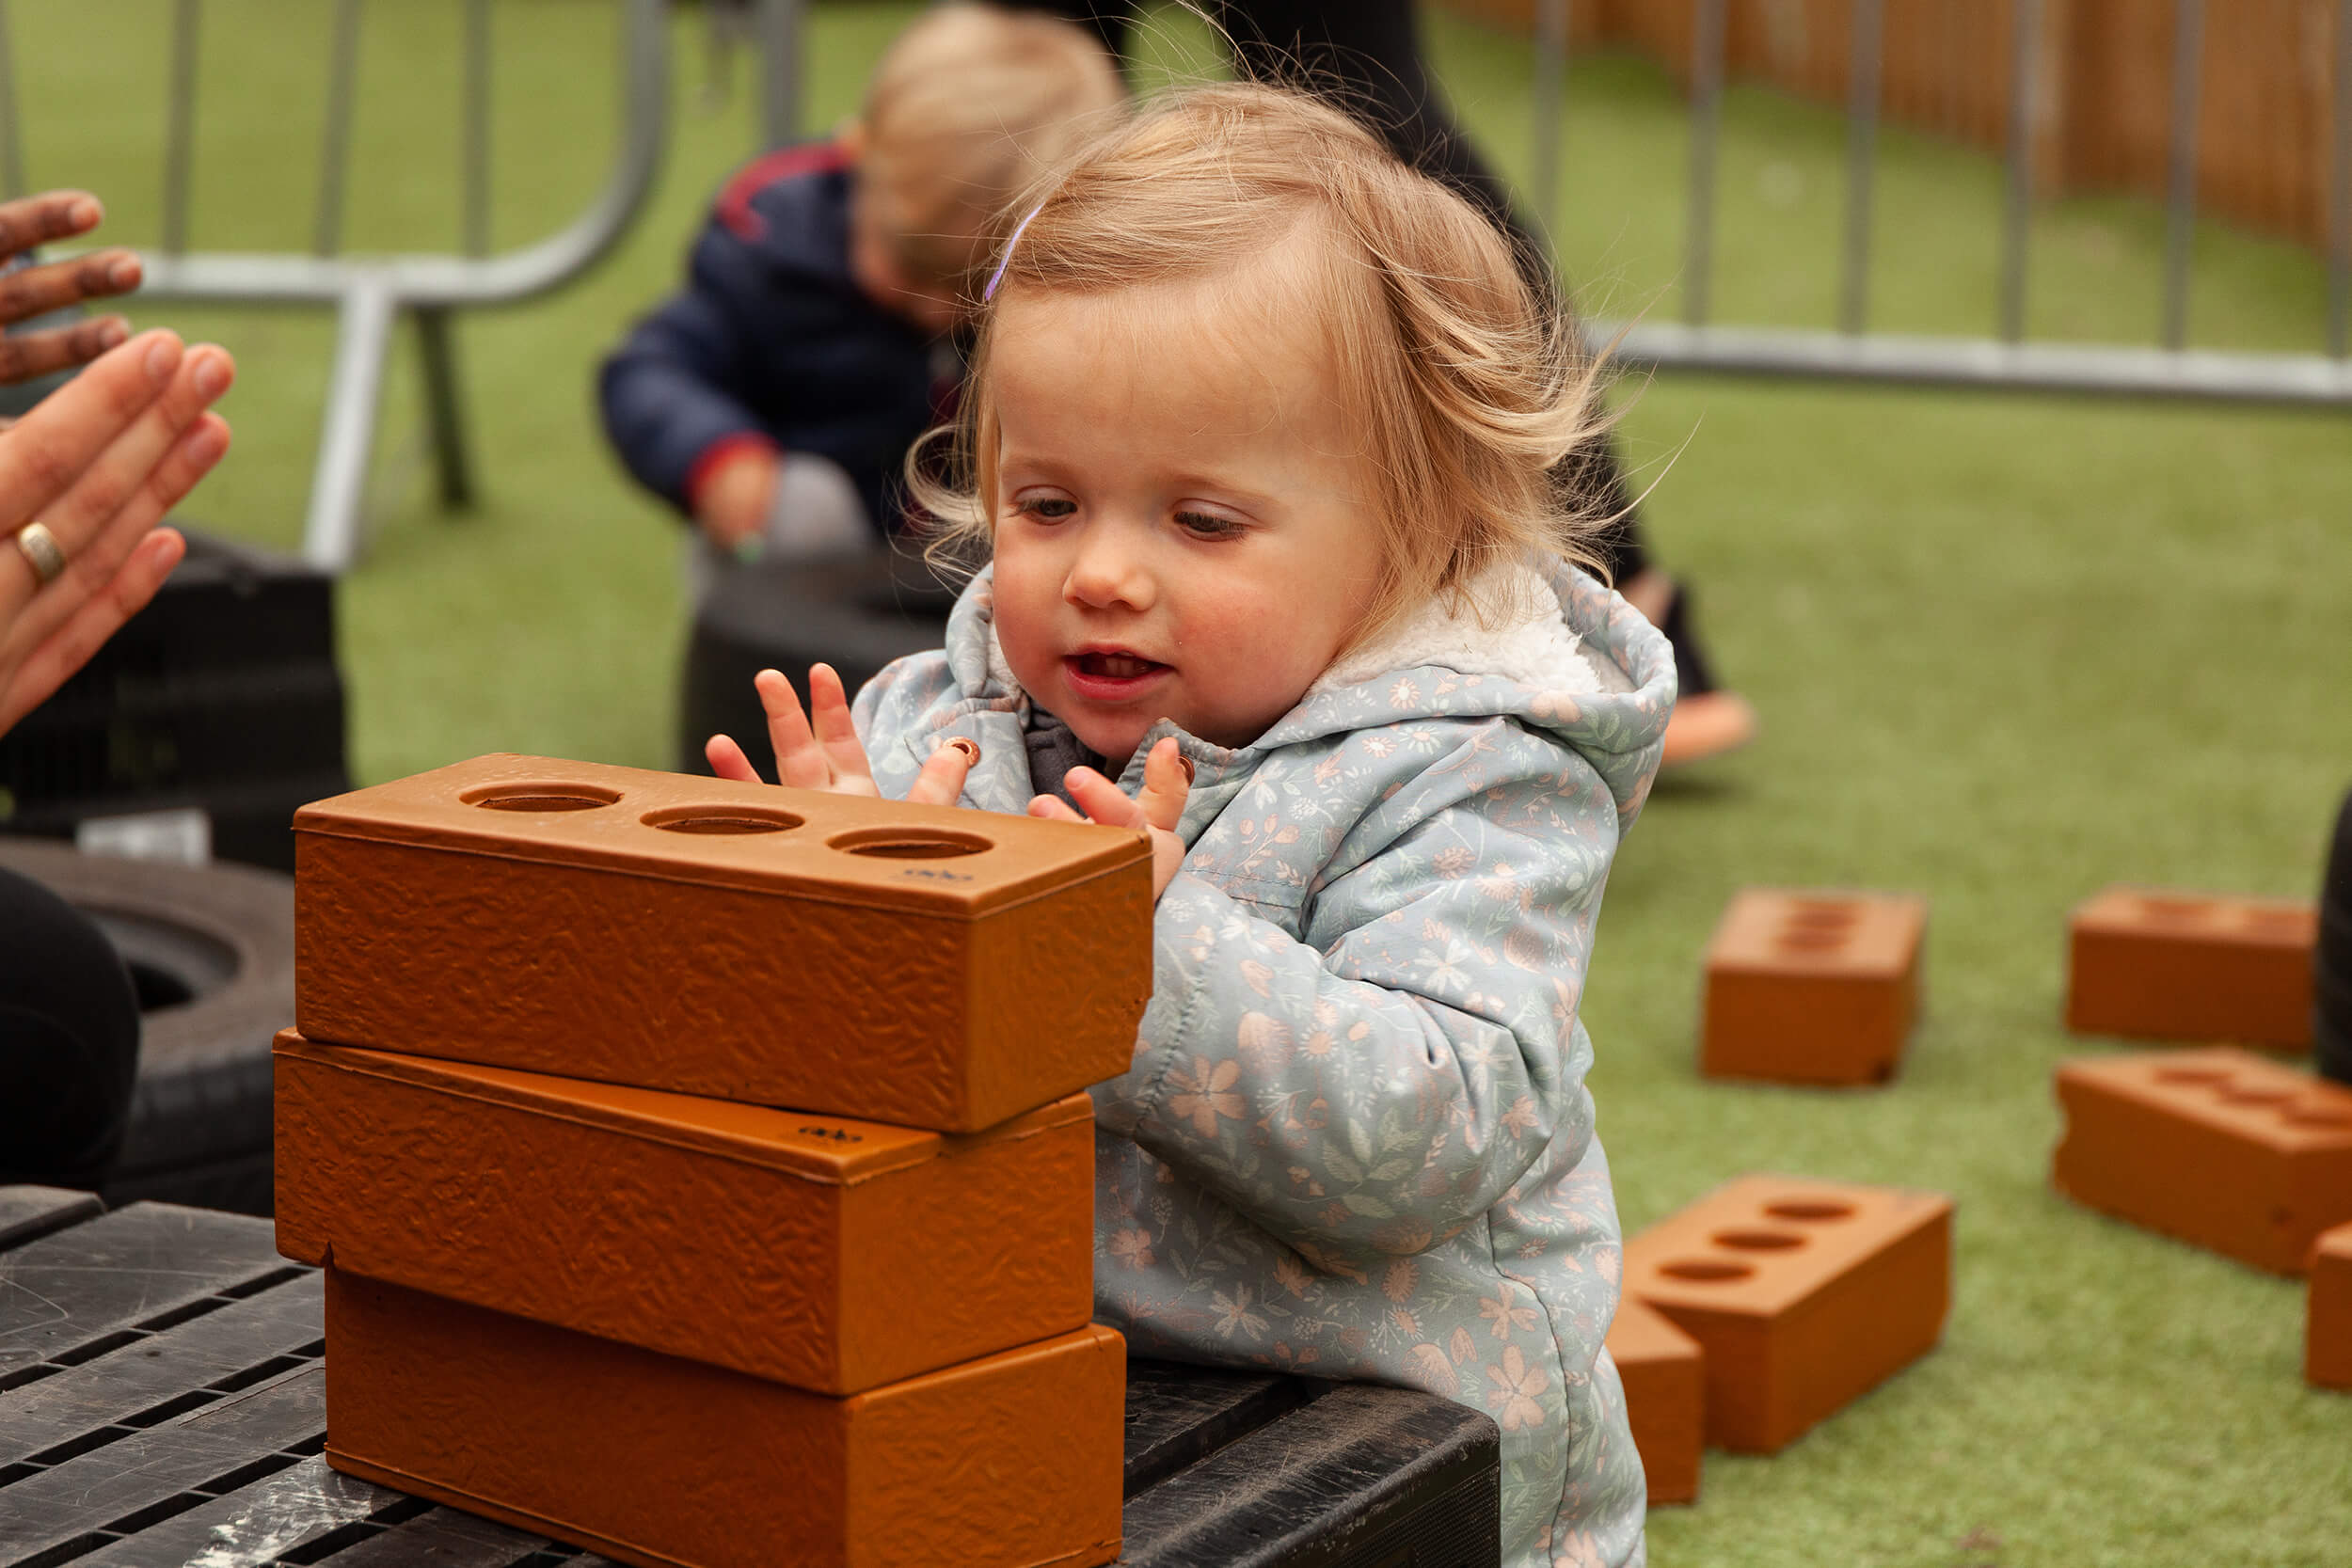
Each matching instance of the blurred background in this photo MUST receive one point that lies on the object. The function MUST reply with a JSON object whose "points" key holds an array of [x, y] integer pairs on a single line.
{"points": [[1986, 363]]}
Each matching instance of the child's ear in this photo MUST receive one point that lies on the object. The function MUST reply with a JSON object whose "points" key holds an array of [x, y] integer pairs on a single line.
{"points": [[851, 138]]}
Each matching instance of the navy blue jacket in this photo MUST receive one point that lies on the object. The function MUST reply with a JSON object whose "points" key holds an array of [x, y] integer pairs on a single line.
{"points": [[772, 344]]}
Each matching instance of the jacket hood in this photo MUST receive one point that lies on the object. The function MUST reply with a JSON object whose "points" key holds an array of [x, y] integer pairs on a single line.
{"points": [[1570, 659]]}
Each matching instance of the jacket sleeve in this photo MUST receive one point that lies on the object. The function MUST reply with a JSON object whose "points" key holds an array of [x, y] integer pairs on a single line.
{"points": [[675, 393], [1374, 1088]]}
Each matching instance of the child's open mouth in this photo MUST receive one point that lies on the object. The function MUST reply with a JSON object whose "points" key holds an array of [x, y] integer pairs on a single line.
{"points": [[1109, 676]]}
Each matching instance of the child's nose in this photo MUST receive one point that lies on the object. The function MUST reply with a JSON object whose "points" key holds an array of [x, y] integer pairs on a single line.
{"points": [[1106, 573]]}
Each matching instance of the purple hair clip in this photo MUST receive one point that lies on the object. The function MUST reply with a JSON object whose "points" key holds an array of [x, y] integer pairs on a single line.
{"points": [[998, 276]]}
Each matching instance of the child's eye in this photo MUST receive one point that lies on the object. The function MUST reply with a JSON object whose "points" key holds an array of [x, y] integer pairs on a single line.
{"points": [[1208, 525], [1051, 508]]}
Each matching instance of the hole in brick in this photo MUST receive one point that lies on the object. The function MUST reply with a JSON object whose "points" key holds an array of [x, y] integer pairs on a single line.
{"points": [[1811, 939], [909, 843], [2174, 912], [2316, 1114], [541, 796], [1756, 1240], [720, 819], [2252, 1095], [1810, 1209], [1705, 1271], [2192, 1075]]}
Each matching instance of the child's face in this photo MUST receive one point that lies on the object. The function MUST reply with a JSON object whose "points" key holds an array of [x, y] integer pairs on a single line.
{"points": [[1182, 511]]}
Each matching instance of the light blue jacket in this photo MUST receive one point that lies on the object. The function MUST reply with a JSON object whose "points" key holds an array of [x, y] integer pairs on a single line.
{"points": [[1355, 1140]]}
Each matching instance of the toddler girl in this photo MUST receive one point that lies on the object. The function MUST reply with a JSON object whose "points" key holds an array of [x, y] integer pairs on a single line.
{"points": [[1257, 432]]}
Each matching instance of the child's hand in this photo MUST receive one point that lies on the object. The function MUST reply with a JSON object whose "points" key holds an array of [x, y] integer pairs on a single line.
{"points": [[36, 291], [1167, 781], [829, 756], [733, 501]]}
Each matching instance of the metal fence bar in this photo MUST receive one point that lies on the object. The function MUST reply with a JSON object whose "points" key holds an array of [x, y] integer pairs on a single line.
{"points": [[2188, 48], [1981, 363], [1865, 59], [1707, 118], [343, 89], [1544, 113], [11, 125], [779, 79], [473, 173], [2017, 214], [2340, 195], [331, 535], [180, 126]]}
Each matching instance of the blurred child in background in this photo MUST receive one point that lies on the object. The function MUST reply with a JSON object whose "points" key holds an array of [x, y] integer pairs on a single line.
{"points": [[773, 401]]}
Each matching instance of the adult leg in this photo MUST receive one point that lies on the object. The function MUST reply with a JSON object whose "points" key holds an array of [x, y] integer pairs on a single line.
{"points": [[69, 1035]]}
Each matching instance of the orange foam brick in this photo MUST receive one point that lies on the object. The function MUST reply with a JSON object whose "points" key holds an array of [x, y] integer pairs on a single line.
{"points": [[1812, 987], [831, 1253], [2219, 1146], [1664, 1373], [2327, 1329], [925, 966], [1011, 1460], [1805, 1294], [2148, 964]]}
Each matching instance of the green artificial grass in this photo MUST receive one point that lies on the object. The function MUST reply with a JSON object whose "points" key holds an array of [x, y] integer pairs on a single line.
{"points": [[2006, 650]]}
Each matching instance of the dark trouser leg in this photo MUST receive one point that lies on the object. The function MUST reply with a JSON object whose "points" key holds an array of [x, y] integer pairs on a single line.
{"points": [[68, 1035]]}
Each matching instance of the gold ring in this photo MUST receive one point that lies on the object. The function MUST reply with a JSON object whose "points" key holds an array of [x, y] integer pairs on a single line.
{"points": [[41, 550]]}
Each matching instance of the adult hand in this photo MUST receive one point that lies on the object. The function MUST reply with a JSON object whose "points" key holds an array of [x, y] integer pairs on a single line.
{"points": [[98, 463], [1167, 783], [827, 755], [37, 291]]}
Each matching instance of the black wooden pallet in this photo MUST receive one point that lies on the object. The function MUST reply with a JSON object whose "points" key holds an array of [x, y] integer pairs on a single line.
{"points": [[163, 1404]]}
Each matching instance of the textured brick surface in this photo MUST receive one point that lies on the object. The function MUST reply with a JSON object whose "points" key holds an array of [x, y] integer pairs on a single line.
{"points": [[2148, 964], [1007, 1462], [829, 1254], [1812, 987], [1664, 1373], [2218, 1147], [922, 966], [1806, 1295], [2328, 1327]]}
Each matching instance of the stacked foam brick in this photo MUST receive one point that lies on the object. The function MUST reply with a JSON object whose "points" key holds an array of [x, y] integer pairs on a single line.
{"points": [[703, 1171]]}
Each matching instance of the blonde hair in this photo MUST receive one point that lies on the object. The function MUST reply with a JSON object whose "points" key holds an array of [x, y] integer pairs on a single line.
{"points": [[968, 106], [1468, 383]]}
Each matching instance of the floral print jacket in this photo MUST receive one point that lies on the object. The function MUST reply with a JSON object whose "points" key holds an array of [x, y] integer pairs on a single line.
{"points": [[1355, 1141]]}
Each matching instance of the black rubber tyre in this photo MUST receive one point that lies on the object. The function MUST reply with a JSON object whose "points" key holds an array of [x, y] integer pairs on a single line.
{"points": [[211, 951], [856, 616]]}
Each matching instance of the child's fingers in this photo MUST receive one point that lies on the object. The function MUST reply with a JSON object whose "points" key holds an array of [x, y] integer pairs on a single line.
{"points": [[829, 712], [727, 760], [1102, 801], [1053, 808], [940, 782], [800, 761], [1166, 780]]}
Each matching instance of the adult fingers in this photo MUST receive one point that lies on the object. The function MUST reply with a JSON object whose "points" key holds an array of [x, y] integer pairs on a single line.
{"points": [[28, 683], [800, 761], [829, 711], [31, 291], [940, 782], [1167, 781], [24, 355], [92, 567], [727, 760], [120, 473], [51, 215], [45, 451]]}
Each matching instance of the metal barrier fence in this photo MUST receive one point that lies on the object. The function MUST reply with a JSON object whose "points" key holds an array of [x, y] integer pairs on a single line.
{"points": [[2002, 359], [370, 292]]}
